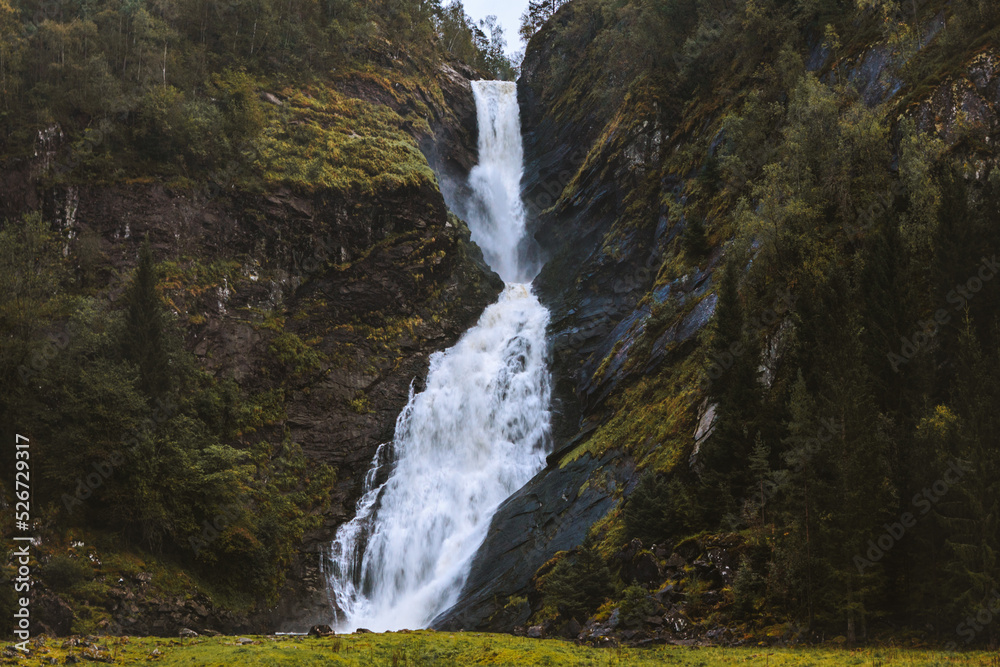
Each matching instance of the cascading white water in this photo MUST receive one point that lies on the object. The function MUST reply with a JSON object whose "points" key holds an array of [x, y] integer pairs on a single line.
{"points": [[496, 212], [476, 434]]}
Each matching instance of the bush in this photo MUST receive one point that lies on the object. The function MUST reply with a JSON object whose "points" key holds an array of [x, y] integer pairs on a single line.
{"points": [[659, 511], [637, 605], [64, 572], [578, 583]]}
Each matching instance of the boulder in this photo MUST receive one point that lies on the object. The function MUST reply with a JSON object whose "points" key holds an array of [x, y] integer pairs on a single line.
{"points": [[320, 631], [51, 614]]}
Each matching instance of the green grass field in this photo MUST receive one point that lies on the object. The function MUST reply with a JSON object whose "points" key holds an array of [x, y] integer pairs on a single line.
{"points": [[430, 648]]}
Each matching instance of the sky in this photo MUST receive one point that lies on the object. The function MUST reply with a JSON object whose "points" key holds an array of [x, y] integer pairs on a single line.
{"points": [[508, 11]]}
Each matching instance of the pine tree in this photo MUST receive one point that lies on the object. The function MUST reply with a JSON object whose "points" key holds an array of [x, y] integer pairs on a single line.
{"points": [[145, 342], [971, 511], [807, 452], [536, 14], [737, 392]]}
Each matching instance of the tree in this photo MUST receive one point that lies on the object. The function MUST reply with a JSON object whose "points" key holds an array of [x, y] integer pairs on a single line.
{"points": [[493, 48], [735, 388], [480, 46], [145, 341], [535, 16], [30, 273], [577, 584], [971, 512], [659, 511], [10, 48]]}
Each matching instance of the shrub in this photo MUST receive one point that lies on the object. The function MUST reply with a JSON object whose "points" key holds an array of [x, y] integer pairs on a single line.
{"points": [[65, 572], [637, 605], [659, 510], [578, 584]]}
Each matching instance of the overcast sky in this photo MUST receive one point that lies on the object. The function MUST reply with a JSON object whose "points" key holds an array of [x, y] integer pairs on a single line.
{"points": [[508, 11]]}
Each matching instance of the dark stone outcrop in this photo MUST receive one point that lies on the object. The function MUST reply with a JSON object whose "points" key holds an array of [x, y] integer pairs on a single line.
{"points": [[551, 513]]}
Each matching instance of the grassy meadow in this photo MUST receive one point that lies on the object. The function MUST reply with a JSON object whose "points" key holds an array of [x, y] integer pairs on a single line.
{"points": [[431, 648]]}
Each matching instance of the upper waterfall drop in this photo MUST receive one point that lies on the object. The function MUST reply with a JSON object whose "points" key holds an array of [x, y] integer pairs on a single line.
{"points": [[496, 212], [474, 436]]}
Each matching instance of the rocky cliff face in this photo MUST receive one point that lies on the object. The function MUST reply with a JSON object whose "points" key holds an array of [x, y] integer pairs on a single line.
{"points": [[332, 302], [629, 305]]}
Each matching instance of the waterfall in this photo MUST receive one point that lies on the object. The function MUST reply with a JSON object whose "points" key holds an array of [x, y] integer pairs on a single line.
{"points": [[496, 210], [474, 436]]}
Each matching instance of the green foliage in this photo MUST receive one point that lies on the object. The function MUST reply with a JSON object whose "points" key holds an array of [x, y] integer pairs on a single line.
{"points": [[844, 231], [660, 511], [577, 584], [177, 89], [145, 341], [481, 46], [30, 275], [360, 404], [64, 572], [442, 649], [694, 238], [344, 144], [294, 354], [133, 439], [637, 605]]}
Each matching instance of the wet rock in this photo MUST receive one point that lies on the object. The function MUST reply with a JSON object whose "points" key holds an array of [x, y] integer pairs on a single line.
{"points": [[677, 622], [637, 565], [720, 635], [51, 615], [725, 564], [548, 515], [706, 427], [320, 631], [675, 562], [668, 593], [645, 569], [536, 632], [600, 633], [569, 629]]}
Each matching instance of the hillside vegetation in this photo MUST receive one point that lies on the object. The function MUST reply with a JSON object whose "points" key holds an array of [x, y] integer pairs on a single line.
{"points": [[772, 230], [211, 215]]}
